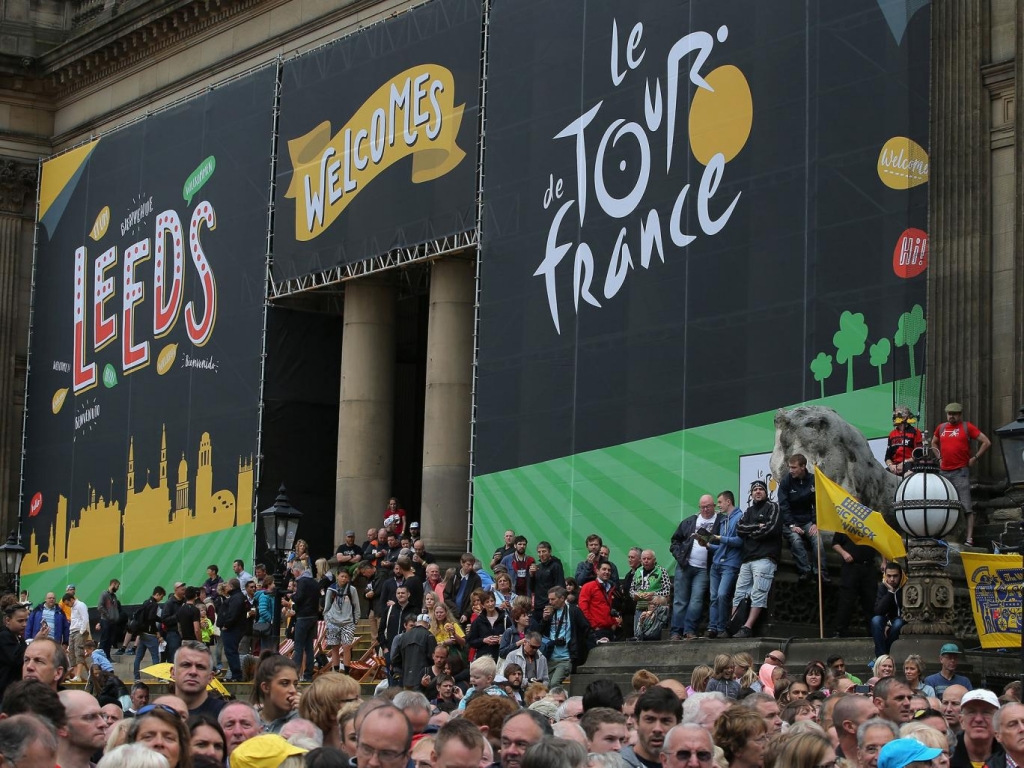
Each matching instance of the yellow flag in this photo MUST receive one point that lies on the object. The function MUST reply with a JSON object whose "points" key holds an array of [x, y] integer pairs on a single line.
{"points": [[994, 582], [839, 511]]}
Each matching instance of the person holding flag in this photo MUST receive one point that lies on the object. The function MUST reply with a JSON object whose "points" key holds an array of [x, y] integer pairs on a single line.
{"points": [[860, 526]]}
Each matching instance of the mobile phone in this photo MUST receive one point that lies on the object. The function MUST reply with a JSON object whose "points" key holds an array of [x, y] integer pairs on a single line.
{"points": [[862, 689]]}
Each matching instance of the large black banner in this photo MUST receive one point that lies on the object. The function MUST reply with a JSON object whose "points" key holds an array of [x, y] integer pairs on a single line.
{"points": [[146, 343], [402, 93], [686, 204]]}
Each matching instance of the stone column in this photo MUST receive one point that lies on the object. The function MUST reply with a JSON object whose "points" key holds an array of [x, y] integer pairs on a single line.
{"points": [[447, 405], [366, 411], [959, 271], [17, 193]]}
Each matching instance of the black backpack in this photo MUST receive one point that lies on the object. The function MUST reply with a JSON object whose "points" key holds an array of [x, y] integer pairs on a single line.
{"points": [[136, 624], [739, 617]]}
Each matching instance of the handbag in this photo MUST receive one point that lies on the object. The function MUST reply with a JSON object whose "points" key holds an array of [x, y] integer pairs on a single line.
{"points": [[262, 628]]}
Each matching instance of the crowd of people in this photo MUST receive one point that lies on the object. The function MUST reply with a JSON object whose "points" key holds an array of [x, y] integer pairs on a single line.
{"points": [[734, 714], [475, 659]]}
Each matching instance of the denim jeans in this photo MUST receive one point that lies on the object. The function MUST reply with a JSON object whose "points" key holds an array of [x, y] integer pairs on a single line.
{"points": [[173, 638], [231, 637], [147, 642], [884, 642], [218, 653], [723, 581], [305, 636], [798, 544], [691, 585]]}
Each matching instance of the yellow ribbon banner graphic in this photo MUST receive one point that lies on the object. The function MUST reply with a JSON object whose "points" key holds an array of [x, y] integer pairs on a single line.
{"points": [[414, 113], [994, 582], [839, 511]]}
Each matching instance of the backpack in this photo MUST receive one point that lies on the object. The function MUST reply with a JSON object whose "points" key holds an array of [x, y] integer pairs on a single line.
{"points": [[137, 622], [739, 616]]}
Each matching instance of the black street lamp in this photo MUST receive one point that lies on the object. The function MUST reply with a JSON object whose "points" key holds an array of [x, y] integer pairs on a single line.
{"points": [[280, 525], [11, 554], [1012, 438]]}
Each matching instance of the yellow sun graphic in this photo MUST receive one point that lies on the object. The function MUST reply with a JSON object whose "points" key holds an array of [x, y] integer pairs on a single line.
{"points": [[720, 120]]}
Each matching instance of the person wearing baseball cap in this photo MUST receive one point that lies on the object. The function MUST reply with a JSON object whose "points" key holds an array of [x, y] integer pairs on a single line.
{"points": [[349, 553], [267, 751], [900, 753], [976, 743], [949, 656], [952, 442], [761, 531]]}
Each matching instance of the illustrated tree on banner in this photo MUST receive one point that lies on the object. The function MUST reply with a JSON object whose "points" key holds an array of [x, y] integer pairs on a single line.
{"points": [[880, 352], [909, 331], [850, 341], [821, 367]]}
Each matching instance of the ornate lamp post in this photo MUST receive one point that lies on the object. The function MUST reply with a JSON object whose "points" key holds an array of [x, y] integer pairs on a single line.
{"points": [[280, 525], [11, 554], [1011, 436], [927, 508]]}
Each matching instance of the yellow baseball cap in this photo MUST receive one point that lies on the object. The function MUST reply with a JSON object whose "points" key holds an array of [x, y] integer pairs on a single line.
{"points": [[266, 751]]}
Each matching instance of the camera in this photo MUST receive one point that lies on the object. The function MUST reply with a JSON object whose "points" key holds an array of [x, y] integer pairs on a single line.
{"points": [[615, 614], [560, 641]]}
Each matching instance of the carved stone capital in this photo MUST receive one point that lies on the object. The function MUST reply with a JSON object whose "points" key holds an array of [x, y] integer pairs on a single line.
{"points": [[17, 186]]}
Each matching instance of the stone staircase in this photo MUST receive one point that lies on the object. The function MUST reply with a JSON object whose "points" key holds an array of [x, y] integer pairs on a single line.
{"points": [[124, 666]]}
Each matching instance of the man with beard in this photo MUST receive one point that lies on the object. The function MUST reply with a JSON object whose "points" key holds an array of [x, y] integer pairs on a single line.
{"points": [[518, 564], [110, 616], [657, 712], [761, 531]]}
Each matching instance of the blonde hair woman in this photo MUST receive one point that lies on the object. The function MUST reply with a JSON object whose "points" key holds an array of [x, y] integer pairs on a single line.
{"points": [[884, 666], [913, 670]]}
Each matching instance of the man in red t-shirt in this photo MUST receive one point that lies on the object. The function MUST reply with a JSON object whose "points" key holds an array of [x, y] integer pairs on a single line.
{"points": [[952, 442]]}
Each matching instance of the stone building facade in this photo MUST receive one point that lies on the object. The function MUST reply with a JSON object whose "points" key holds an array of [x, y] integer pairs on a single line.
{"points": [[72, 69]]}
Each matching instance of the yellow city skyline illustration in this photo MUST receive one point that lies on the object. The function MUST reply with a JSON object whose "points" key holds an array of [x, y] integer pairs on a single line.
{"points": [[152, 514]]}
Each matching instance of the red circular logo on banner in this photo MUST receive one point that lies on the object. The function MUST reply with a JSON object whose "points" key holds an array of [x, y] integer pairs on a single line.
{"points": [[910, 258], [35, 505]]}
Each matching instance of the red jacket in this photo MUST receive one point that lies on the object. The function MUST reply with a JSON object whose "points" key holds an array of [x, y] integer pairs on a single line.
{"points": [[597, 604]]}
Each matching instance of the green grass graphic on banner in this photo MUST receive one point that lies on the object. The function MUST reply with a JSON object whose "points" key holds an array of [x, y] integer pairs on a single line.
{"points": [[141, 570], [635, 494]]}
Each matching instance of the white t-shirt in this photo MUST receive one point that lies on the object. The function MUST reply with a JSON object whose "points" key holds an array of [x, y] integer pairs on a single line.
{"points": [[699, 554]]}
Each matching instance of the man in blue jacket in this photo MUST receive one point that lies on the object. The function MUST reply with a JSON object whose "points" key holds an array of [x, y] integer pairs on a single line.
{"points": [[56, 621], [727, 553]]}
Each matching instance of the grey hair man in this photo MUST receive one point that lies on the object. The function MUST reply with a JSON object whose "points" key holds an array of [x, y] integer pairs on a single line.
{"points": [[28, 741], [570, 709], [872, 735], [416, 707], [704, 708], [687, 745]]}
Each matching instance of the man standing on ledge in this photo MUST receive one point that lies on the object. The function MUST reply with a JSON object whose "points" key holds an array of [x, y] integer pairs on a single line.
{"points": [[761, 531], [693, 568], [952, 442]]}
